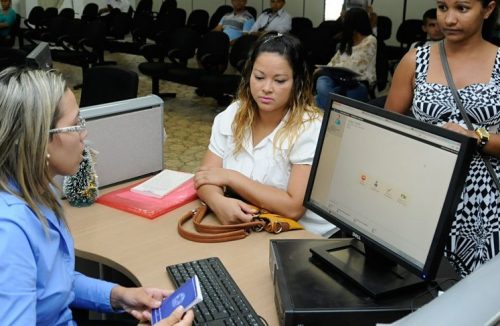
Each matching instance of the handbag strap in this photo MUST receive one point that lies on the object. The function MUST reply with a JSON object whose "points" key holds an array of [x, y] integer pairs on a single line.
{"points": [[214, 233], [456, 96]]}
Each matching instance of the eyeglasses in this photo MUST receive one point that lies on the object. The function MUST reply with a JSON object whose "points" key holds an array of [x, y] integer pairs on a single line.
{"points": [[81, 126]]}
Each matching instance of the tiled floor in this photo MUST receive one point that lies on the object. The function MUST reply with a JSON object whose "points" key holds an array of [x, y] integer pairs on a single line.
{"points": [[188, 117]]}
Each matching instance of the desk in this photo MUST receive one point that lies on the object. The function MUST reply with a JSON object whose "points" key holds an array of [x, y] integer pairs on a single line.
{"points": [[141, 249]]}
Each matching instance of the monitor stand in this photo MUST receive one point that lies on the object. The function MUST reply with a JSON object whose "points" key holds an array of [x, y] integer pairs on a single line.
{"points": [[369, 270]]}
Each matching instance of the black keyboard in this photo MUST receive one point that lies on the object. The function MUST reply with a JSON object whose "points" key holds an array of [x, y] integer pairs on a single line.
{"points": [[223, 302]]}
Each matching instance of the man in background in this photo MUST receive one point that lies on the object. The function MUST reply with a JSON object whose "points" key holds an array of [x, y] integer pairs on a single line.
{"points": [[236, 23], [276, 18], [431, 28]]}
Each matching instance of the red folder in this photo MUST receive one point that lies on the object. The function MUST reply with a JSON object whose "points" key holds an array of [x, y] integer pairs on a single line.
{"points": [[146, 206]]}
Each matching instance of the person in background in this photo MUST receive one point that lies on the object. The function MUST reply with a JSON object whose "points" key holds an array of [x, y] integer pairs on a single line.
{"points": [[236, 23], [263, 144], [7, 20], [42, 135], [122, 5], [419, 85], [275, 19], [431, 27], [357, 52]]}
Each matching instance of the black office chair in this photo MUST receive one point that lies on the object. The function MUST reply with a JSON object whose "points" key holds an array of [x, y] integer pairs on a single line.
{"points": [[198, 20], [104, 84], [68, 13], [223, 87], [49, 14], [301, 27], [220, 12], [144, 6], [408, 32], [320, 45], [90, 12], [179, 48], [252, 11], [33, 28]]}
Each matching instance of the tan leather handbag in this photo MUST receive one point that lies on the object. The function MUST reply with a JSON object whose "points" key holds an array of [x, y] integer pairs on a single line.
{"points": [[262, 221]]}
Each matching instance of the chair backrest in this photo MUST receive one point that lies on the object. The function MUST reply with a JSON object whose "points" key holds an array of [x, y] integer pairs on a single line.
{"points": [[90, 11], [145, 6], [240, 51], [198, 20], [36, 17], [213, 51], [182, 44], [301, 26], [120, 25], [142, 26], [57, 27], [410, 31], [171, 20], [381, 65], [218, 14], [166, 6], [105, 84], [330, 27], [384, 28], [49, 14], [68, 13], [252, 11]]}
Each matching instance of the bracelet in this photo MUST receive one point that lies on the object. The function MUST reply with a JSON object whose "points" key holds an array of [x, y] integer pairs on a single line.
{"points": [[484, 137]]}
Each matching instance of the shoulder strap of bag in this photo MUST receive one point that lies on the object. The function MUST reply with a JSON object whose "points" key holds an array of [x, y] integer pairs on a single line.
{"points": [[456, 96], [214, 233]]}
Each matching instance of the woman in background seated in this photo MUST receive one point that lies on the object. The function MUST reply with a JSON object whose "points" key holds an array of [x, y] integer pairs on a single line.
{"points": [[357, 52], [42, 135], [263, 144], [7, 20]]}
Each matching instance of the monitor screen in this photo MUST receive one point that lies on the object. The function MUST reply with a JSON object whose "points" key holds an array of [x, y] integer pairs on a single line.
{"points": [[393, 181], [40, 57]]}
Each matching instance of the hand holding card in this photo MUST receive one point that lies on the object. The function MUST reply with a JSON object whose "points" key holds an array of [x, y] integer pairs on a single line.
{"points": [[187, 295]]}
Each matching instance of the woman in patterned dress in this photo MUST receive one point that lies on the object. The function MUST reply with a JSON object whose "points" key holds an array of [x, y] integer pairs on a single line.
{"points": [[420, 85]]}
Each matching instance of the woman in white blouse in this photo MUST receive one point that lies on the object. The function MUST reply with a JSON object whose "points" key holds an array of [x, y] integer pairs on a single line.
{"points": [[357, 52], [262, 145]]}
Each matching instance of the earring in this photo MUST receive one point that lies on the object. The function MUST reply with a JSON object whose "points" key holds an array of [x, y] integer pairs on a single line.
{"points": [[48, 158]]}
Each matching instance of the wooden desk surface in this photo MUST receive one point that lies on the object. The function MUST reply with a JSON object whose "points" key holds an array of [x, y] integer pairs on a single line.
{"points": [[142, 248]]}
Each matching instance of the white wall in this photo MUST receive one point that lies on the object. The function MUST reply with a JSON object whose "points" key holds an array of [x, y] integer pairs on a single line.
{"points": [[313, 9]]}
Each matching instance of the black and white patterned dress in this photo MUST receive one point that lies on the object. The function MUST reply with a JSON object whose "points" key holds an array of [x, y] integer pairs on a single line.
{"points": [[474, 237]]}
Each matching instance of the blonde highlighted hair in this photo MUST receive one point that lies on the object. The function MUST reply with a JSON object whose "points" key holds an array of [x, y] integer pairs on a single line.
{"points": [[29, 108], [301, 102]]}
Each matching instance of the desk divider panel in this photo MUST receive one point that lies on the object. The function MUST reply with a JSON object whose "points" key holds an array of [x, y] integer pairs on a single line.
{"points": [[129, 137]]}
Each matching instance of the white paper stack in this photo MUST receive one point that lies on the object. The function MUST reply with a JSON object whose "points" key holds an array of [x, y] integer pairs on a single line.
{"points": [[162, 183]]}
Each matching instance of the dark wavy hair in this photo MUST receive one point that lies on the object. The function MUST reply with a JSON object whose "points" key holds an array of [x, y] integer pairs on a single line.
{"points": [[354, 20], [301, 98], [489, 24]]}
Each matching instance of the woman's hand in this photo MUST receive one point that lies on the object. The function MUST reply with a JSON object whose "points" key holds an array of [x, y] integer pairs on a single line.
{"points": [[232, 211], [459, 129], [212, 176], [178, 318], [137, 301]]}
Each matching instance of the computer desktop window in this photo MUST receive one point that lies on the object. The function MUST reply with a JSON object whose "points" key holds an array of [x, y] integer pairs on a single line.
{"points": [[386, 196]]}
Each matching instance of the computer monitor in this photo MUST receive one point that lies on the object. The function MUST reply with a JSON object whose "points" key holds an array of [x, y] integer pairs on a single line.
{"points": [[40, 57], [395, 183]]}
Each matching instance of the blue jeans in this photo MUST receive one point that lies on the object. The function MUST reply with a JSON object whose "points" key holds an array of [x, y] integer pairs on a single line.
{"points": [[325, 85]]}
